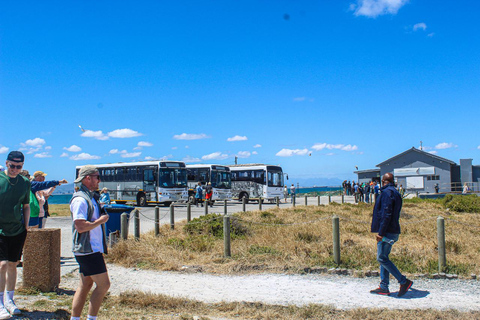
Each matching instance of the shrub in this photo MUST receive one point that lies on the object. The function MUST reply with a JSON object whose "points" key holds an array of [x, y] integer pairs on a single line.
{"points": [[212, 224], [461, 203]]}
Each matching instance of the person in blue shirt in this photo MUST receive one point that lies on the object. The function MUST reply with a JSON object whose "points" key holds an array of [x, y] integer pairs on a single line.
{"points": [[199, 194], [385, 222], [376, 190], [104, 197]]}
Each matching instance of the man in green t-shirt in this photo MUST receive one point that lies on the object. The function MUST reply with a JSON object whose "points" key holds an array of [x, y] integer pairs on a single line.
{"points": [[14, 200]]}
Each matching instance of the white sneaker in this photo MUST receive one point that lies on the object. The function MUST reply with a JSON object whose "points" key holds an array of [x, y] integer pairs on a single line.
{"points": [[12, 308], [4, 313]]}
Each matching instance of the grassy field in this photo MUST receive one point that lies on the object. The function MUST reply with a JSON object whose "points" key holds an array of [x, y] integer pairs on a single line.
{"points": [[59, 210], [290, 240], [135, 305]]}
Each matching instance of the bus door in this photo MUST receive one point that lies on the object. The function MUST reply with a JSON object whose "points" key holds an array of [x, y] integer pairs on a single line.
{"points": [[149, 178]]}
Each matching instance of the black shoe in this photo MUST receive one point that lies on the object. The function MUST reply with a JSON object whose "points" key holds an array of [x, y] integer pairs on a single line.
{"points": [[383, 292], [404, 287]]}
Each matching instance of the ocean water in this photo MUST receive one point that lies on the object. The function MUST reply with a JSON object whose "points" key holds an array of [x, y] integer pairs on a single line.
{"points": [[59, 199]]}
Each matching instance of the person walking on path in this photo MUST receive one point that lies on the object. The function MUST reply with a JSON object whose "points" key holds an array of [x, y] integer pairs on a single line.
{"points": [[285, 193], [89, 244], [14, 198], [292, 192], [208, 195], [199, 194], [385, 222]]}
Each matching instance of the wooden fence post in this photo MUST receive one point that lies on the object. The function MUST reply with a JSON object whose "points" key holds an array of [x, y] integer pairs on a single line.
{"points": [[260, 201], [442, 259], [306, 201], [318, 199], [244, 204], [226, 236], [225, 208], [189, 212], [336, 239], [172, 216], [137, 224], [124, 226], [157, 221]]}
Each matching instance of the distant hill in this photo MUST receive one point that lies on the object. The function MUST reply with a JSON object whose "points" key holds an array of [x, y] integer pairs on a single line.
{"points": [[64, 189]]}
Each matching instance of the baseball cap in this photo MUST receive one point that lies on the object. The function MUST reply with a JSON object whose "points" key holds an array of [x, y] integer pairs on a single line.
{"points": [[16, 156], [39, 173], [86, 171]]}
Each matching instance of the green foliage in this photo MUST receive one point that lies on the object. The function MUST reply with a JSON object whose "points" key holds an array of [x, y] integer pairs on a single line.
{"points": [[267, 215], [212, 224], [254, 249], [462, 203]]}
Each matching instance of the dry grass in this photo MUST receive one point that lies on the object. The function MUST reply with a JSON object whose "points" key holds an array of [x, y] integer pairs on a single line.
{"points": [[136, 305], [272, 245], [59, 210]]}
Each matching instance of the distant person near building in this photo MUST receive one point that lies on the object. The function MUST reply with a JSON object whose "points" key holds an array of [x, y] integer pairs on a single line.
{"points": [[199, 194], [367, 192], [292, 191], [209, 194], [344, 187], [385, 222], [89, 244], [401, 190], [285, 193], [14, 199], [376, 190], [437, 188], [465, 188]]}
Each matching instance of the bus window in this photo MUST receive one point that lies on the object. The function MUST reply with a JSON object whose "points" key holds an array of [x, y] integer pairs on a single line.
{"points": [[275, 179], [148, 180]]}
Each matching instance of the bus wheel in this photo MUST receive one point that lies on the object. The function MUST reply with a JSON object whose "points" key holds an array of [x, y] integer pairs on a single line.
{"points": [[141, 200]]}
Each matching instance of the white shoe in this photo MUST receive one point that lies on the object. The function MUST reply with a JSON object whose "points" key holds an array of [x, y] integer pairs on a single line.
{"points": [[4, 313], [12, 308]]}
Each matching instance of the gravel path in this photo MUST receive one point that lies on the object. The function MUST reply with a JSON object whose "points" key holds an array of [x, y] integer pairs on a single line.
{"points": [[343, 292]]}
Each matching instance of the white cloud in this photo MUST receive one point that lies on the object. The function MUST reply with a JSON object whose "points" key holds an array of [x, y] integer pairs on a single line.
{"points": [[190, 136], [290, 152], [189, 159], [431, 34], [254, 152], [374, 8], [424, 148], [48, 148], [215, 156], [99, 135], [37, 142], [130, 155], [243, 154], [299, 99], [33, 150], [321, 146], [174, 148], [115, 151], [419, 26], [137, 148], [64, 155], [84, 156], [257, 146], [445, 145], [72, 148], [433, 152], [237, 138], [330, 154], [144, 144], [124, 133], [166, 157], [149, 158], [3, 150], [42, 155]]}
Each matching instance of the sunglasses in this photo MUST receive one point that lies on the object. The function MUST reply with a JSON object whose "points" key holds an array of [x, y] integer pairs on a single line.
{"points": [[12, 166]]}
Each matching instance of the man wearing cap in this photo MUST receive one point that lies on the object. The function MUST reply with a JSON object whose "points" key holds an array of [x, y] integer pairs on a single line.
{"points": [[89, 244], [14, 198]]}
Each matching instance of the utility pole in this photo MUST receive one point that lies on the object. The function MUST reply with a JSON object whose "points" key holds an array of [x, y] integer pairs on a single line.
{"points": [[421, 145], [236, 158]]}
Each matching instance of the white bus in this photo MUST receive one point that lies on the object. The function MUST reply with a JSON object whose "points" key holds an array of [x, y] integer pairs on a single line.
{"points": [[254, 181], [219, 176], [145, 182]]}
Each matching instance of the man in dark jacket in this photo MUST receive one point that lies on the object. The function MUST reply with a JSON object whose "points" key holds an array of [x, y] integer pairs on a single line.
{"points": [[385, 222]]}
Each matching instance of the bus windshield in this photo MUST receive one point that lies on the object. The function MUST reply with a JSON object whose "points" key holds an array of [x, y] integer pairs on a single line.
{"points": [[221, 179], [172, 178], [275, 178]]}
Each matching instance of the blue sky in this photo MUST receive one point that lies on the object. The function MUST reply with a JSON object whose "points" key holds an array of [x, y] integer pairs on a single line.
{"points": [[317, 87]]}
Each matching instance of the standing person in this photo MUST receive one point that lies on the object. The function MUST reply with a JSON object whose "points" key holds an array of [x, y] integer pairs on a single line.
{"points": [[437, 188], [292, 191], [208, 195], [104, 197], [285, 193], [465, 188], [89, 244], [376, 190], [14, 198], [367, 192], [199, 194], [385, 222], [344, 187]]}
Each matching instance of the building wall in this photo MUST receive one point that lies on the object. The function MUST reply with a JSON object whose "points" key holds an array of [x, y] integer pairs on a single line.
{"points": [[415, 159]]}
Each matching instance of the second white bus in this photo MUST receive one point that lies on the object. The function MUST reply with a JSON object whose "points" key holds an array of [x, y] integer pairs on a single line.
{"points": [[255, 181], [218, 176]]}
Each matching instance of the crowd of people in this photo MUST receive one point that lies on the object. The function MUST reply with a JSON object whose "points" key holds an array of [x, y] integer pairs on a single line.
{"points": [[361, 191]]}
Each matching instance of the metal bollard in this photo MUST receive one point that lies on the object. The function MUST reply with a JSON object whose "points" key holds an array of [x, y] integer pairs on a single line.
{"points": [[225, 210], [260, 201], [336, 239], [137, 225], [189, 212], [124, 226], [244, 204], [226, 236], [306, 201], [343, 199], [293, 200], [442, 259], [318, 199], [329, 199], [206, 207], [157, 221], [278, 202], [172, 216]]}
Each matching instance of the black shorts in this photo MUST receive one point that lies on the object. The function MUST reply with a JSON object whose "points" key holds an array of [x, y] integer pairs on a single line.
{"points": [[11, 247], [91, 264]]}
